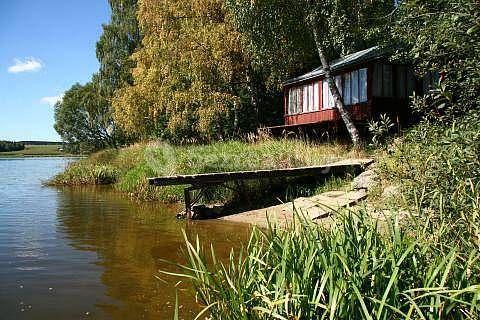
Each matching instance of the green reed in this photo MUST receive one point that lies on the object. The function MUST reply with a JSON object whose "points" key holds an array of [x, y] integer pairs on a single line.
{"points": [[358, 268]]}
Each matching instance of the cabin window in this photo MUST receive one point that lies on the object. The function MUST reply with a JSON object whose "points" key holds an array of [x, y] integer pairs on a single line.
{"points": [[362, 85], [347, 95], [291, 100], [327, 96], [355, 87], [303, 99], [377, 80], [387, 81], [392, 81], [311, 106], [410, 82], [338, 82], [298, 100], [316, 102], [355, 96], [295, 100], [401, 81]]}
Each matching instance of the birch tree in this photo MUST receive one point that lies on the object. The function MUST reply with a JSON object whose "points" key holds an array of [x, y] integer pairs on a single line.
{"points": [[187, 74], [284, 31]]}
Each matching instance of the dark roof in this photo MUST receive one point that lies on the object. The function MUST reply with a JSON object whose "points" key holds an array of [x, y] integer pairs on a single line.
{"points": [[366, 55]]}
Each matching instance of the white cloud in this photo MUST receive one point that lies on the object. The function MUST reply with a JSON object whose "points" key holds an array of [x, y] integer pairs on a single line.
{"points": [[51, 101], [27, 65]]}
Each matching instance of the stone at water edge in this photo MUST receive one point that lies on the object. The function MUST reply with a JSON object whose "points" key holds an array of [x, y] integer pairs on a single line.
{"points": [[366, 180]]}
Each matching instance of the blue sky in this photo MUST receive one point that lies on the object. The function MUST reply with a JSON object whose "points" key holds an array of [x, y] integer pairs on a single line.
{"points": [[45, 47]]}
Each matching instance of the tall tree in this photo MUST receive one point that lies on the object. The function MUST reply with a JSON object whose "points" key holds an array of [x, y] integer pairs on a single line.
{"points": [[282, 31], [188, 76], [447, 41], [82, 118], [120, 37]]}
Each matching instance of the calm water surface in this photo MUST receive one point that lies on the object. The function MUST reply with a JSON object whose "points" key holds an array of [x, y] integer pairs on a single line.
{"points": [[88, 253]]}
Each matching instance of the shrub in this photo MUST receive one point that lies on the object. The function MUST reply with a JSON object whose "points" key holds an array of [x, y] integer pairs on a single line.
{"points": [[434, 162]]}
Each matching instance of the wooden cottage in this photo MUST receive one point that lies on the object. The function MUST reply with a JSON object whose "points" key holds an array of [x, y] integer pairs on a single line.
{"points": [[368, 83]]}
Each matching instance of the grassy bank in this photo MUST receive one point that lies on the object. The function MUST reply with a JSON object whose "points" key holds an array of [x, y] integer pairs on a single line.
{"points": [[36, 151], [423, 266], [128, 169]]}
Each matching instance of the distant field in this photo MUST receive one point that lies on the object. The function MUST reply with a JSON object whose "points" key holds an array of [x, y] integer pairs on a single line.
{"points": [[36, 150]]}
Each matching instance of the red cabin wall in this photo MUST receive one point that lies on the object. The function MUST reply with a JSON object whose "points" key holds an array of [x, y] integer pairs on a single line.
{"points": [[358, 112]]}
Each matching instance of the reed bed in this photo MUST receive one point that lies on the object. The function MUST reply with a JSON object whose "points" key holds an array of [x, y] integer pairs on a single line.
{"points": [[351, 270]]}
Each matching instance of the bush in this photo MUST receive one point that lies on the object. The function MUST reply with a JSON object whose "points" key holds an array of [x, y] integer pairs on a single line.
{"points": [[6, 146], [82, 173], [434, 162]]}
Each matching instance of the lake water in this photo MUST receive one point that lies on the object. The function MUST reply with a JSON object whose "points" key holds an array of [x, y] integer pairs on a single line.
{"points": [[89, 253]]}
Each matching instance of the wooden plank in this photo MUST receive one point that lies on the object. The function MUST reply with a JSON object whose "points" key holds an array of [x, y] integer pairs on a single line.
{"points": [[220, 177], [319, 208]]}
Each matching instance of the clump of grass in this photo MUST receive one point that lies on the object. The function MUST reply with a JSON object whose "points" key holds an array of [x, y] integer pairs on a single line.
{"points": [[133, 165], [350, 270], [81, 173]]}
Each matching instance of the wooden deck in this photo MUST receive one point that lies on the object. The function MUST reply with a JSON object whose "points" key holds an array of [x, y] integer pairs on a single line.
{"points": [[317, 208], [220, 177], [205, 180]]}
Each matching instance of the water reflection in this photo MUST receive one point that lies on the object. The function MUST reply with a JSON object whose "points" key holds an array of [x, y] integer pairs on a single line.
{"points": [[129, 239], [88, 253]]}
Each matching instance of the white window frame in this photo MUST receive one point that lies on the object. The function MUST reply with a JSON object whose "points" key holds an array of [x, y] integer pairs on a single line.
{"points": [[355, 89], [316, 97], [363, 85], [310, 97], [299, 100], [327, 96]]}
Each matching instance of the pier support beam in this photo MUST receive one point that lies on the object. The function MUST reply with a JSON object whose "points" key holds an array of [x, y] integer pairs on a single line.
{"points": [[188, 203]]}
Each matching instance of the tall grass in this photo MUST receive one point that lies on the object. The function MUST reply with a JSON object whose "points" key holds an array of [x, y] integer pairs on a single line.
{"points": [[129, 168], [351, 270], [425, 265]]}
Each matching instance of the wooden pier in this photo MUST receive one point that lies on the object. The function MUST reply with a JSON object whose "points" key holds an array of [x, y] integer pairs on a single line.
{"points": [[205, 180]]}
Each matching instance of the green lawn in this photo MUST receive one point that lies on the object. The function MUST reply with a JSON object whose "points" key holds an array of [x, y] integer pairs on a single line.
{"points": [[35, 150]]}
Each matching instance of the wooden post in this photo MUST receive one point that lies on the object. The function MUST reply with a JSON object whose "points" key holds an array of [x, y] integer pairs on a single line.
{"points": [[188, 203]]}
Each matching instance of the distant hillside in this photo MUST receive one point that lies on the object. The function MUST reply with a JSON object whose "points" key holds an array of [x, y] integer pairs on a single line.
{"points": [[41, 143]]}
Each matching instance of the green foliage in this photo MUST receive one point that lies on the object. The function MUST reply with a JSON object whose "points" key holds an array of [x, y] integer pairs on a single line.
{"points": [[350, 270], [118, 41], [280, 40], [286, 36], [437, 162], [190, 75], [82, 119], [419, 260], [6, 146], [379, 129], [443, 36], [83, 173]]}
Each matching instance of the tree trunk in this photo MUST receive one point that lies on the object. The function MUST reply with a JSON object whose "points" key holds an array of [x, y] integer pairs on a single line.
{"points": [[253, 92], [235, 119], [352, 129]]}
